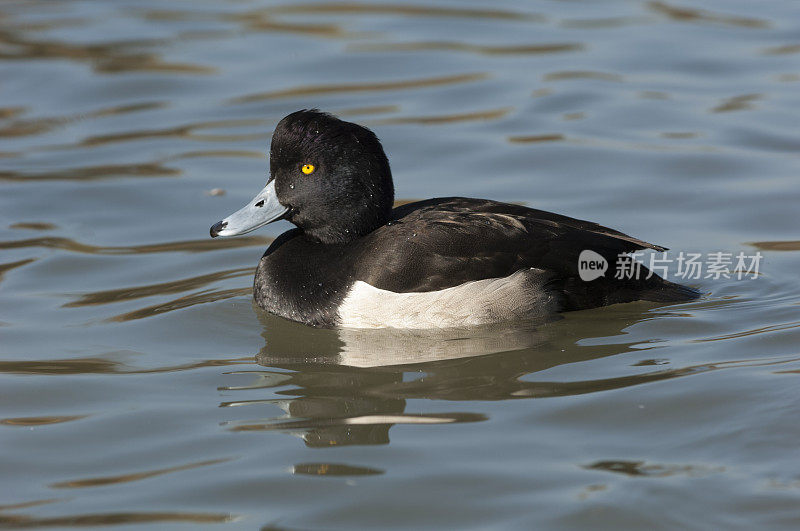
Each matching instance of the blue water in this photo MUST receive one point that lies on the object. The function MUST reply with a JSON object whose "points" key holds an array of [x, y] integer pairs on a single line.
{"points": [[141, 387]]}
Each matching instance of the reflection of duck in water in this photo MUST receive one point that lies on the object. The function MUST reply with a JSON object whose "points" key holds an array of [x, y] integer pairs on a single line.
{"points": [[354, 262], [340, 388], [288, 342]]}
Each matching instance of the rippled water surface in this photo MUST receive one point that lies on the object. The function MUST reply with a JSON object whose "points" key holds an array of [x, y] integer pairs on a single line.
{"points": [[140, 386]]}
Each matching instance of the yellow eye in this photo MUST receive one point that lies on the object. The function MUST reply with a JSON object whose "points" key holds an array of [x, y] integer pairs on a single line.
{"points": [[308, 169]]}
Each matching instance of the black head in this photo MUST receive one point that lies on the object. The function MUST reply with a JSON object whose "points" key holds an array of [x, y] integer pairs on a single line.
{"points": [[329, 177], [332, 175]]}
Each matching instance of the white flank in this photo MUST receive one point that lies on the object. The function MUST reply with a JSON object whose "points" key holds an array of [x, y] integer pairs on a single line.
{"points": [[491, 300]]}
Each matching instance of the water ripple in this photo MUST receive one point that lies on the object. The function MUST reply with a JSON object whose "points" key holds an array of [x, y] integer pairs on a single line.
{"points": [[492, 114], [334, 469], [787, 245], [136, 476], [687, 14], [163, 288], [782, 50], [554, 389], [319, 90], [25, 505], [348, 8], [582, 74], [360, 420], [122, 56], [652, 470], [602, 23], [37, 126], [93, 173], [102, 365], [519, 49], [186, 246], [188, 131], [262, 21], [778, 327], [528, 139], [40, 421], [737, 103], [33, 225], [13, 265], [105, 519], [202, 297]]}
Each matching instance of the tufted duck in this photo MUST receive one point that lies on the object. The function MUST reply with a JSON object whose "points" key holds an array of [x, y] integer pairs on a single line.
{"points": [[354, 261]]}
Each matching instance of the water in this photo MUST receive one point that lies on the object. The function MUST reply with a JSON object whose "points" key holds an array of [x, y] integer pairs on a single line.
{"points": [[139, 385]]}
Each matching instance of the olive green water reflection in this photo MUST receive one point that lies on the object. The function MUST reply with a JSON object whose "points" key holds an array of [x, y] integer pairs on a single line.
{"points": [[141, 388]]}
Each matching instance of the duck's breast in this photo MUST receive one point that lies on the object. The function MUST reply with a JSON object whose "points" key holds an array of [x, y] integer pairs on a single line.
{"points": [[522, 295]]}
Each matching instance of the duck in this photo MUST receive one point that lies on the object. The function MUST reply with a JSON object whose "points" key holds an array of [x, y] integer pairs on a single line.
{"points": [[353, 260]]}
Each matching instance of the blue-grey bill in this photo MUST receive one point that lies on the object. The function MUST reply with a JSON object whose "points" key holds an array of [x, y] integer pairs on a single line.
{"points": [[262, 209]]}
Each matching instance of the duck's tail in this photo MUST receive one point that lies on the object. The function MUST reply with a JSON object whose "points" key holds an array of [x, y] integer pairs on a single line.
{"points": [[578, 295], [666, 291]]}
